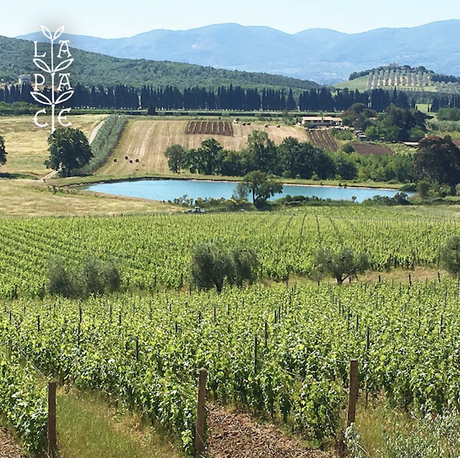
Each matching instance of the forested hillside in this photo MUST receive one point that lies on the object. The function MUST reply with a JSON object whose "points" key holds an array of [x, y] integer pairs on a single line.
{"points": [[91, 69]]}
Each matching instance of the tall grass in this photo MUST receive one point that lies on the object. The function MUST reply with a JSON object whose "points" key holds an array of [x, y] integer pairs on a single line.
{"points": [[87, 428], [385, 433], [105, 142]]}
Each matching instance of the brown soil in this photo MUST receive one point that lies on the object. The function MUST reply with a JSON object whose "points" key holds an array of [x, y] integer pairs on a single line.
{"points": [[370, 148], [233, 434], [8, 448]]}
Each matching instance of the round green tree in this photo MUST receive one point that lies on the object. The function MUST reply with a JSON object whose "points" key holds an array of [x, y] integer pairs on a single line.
{"points": [[69, 150]]}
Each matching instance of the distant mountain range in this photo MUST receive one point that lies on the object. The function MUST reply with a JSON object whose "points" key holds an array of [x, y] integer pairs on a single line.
{"points": [[321, 55], [91, 69]]}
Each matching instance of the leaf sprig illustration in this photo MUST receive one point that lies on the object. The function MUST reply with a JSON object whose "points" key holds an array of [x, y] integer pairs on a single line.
{"points": [[51, 70]]}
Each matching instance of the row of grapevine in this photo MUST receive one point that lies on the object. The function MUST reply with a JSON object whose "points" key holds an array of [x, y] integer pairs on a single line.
{"points": [[106, 140], [23, 404], [156, 250], [282, 351]]}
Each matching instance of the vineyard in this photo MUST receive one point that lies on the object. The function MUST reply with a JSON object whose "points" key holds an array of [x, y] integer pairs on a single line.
{"points": [[282, 351], [371, 148], [155, 250], [278, 348], [322, 138], [209, 128], [409, 79]]}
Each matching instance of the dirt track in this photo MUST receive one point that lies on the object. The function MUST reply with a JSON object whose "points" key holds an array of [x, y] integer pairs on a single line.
{"points": [[237, 435], [147, 141], [8, 448]]}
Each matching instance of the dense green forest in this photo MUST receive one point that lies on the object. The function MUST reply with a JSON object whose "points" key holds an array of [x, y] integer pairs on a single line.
{"points": [[91, 69], [230, 97]]}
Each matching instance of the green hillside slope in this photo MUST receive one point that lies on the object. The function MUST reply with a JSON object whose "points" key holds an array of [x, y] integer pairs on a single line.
{"points": [[97, 69]]}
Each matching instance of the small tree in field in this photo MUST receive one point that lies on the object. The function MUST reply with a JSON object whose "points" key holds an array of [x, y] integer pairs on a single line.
{"points": [[450, 255], [245, 264], [3, 152], [211, 266], [340, 265]]}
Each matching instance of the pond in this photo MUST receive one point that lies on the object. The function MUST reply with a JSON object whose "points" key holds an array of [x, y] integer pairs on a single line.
{"points": [[165, 190]]}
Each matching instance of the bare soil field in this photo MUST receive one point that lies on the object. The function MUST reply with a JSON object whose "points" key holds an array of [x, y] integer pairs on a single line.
{"points": [[147, 140], [322, 138], [27, 146], [370, 148]]}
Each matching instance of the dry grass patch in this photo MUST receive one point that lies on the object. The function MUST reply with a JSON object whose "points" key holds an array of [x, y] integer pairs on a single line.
{"points": [[26, 144], [30, 198]]}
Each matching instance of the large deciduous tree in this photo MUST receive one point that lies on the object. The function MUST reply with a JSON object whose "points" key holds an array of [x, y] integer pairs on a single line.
{"points": [[262, 152], [205, 159], [438, 159], [69, 150], [261, 186], [176, 157]]}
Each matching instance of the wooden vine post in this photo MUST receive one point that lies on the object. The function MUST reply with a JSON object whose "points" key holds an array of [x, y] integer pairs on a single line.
{"points": [[352, 399], [51, 433], [200, 414], [353, 395]]}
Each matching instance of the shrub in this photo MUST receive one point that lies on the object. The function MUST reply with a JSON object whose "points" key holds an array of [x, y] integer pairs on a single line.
{"points": [[245, 264], [423, 189], [340, 265], [93, 276], [450, 255], [211, 266], [60, 281]]}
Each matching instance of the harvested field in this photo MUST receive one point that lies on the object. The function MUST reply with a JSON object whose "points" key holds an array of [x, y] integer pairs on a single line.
{"points": [[209, 128], [27, 144], [322, 138], [371, 148], [147, 140], [237, 435]]}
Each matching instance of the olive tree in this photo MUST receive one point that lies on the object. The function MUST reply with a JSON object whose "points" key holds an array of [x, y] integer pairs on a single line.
{"points": [[341, 265], [450, 255], [211, 265]]}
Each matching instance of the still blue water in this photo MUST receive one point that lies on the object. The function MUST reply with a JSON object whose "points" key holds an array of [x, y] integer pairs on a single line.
{"points": [[171, 189]]}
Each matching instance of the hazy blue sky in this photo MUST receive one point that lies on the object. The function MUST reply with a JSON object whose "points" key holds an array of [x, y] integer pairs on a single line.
{"points": [[122, 18]]}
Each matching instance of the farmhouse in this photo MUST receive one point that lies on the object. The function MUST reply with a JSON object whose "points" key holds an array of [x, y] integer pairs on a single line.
{"points": [[321, 121], [24, 79]]}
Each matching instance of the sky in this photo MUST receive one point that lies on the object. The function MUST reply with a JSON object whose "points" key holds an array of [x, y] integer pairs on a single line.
{"points": [[121, 18]]}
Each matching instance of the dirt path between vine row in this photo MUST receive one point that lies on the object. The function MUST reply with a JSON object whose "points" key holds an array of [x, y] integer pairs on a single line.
{"points": [[232, 434], [8, 448]]}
